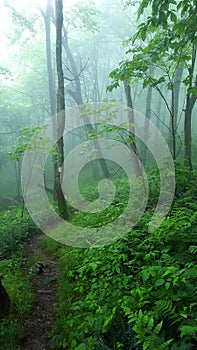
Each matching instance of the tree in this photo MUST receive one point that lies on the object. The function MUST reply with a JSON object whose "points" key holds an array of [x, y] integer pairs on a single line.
{"points": [[50, 72], [147, 113], [171, 50], [143, 62], [178, 21], [62, 206], [132, 139], [51, 83], [76, 94]]}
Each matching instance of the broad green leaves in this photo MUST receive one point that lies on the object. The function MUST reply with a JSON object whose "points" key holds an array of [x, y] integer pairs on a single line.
{"points": [[139, 292], [167, 35]]}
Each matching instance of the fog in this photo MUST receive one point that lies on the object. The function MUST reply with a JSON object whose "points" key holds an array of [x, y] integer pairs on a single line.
{"points": [[96, 36]]}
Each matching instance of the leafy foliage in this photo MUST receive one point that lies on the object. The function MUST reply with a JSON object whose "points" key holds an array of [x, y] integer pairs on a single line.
{"points": [[83, 17], [30, 140], [138, 293], [13, 232]]}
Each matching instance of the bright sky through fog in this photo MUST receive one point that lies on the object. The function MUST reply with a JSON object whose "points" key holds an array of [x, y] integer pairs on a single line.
{"points": [[5, 21]]}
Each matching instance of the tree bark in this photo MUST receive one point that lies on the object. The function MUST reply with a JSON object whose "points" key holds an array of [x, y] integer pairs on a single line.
{"points": [[172, 139], [62, 205], [132, 138], [190, 102], [191, 99], [50, 73], [148, 116], [177, 85]]}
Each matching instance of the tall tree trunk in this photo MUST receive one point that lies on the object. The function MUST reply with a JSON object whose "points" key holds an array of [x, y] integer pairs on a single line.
{"points": [[177, 85], [191, 99], [132, 138], [147, 115], [62, 206], [190, 102], [175, 110], [77, 97], [50, 73], [173, 128]]}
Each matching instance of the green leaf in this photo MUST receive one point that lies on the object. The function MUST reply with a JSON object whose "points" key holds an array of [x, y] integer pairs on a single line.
{"points": [[180, 4], [192, 91], [159, 282], [173, 17], [143, 35], [188, 330]]}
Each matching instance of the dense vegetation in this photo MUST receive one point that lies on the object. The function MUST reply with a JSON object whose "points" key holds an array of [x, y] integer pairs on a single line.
{"points": [[14, 232], [138, 293]]}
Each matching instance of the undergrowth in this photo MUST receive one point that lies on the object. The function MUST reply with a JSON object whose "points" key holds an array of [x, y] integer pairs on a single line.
{"points": [[14, 231], [139, 292]]}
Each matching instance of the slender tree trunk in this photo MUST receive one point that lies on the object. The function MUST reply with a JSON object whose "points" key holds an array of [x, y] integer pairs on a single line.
{"points": [[96, 89], [50, 73], [148, 116], [175, 110], [177, 85], [77, 97], [173, 128], [158, 113], [190, 102], [132, 138], [62, 206], [188, 130], [51, 82]]}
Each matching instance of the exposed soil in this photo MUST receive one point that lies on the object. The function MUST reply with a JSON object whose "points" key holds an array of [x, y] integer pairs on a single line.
{"points": [[44, 287]]}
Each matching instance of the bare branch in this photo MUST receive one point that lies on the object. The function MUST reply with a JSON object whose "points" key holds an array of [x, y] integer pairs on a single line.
{"points": [[78, 75]]}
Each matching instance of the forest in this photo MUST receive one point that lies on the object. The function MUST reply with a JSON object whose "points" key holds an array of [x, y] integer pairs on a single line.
{"points": [[98, 165]]}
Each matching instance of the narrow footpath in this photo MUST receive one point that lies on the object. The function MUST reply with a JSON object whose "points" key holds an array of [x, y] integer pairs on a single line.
{"points": [[41, 318]]}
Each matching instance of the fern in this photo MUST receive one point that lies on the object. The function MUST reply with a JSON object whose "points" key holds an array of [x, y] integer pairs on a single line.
{"points": [[165, 308], [119, 334], [148, 333], [193, 249], [140, 292]]}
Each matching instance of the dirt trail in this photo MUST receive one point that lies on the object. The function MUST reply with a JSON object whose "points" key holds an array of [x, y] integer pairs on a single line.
{"points": [[41, 319]]}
